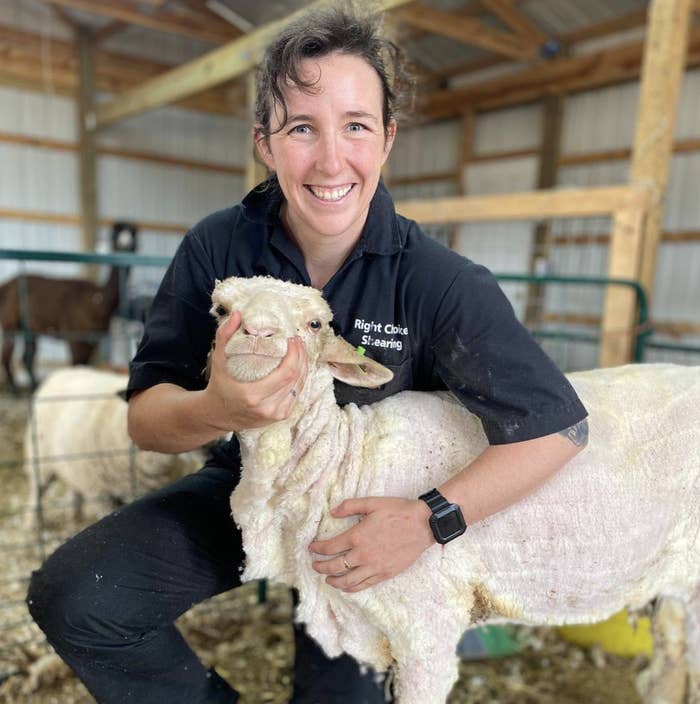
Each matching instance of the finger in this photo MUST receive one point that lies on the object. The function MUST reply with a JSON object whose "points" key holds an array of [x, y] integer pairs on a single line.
{"points": [[351, 580], [224, 333], [364, 584], [275, 387], [340, 565], [336, 545], [353, 507]]}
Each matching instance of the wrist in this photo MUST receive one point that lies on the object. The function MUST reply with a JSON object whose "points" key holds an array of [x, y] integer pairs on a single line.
{"points": [[446, 520]]}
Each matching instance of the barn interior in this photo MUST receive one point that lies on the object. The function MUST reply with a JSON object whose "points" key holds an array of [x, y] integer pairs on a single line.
{"points": [[557, 142]]}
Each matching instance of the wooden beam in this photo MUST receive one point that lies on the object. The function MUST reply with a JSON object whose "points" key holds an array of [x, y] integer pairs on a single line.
{"points": [[75, 221], [630, 20], [534, 205], [467, 132], [550, 146], [86, 141], [659, 93], [159, 21], [619, 310], [133, 154], [234, 59], [25, 62], [508, 12], [108, 31], [467, 30], [559, 76]]}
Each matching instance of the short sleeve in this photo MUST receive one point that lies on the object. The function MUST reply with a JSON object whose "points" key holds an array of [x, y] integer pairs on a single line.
{"points": [[487, 358], [179, 329]]}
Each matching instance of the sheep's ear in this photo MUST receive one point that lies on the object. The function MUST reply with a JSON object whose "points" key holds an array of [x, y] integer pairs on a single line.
{"points": [[349, 366]]}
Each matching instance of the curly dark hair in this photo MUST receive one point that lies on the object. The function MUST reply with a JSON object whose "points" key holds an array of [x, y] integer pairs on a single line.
{"points": [[319, 32]]}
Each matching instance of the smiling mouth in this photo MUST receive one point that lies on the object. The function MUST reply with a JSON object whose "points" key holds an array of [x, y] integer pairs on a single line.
{"points": [[330, 195]]}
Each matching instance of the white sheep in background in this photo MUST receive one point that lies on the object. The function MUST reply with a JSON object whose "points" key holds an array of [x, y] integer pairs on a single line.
{"points": [[77, 433], [616, 528]]}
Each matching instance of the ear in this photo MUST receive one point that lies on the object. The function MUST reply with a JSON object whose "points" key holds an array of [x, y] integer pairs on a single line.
{"points": [[389, 139], [262, 145], [348, 365]]}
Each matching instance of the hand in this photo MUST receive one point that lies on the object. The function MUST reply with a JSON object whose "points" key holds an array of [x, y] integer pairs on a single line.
{"points": [[235, 405], [391, 536]]}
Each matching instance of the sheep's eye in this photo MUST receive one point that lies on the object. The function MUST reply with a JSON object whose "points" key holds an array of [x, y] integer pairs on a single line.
{"points": [[315, 324], [220, 310]]}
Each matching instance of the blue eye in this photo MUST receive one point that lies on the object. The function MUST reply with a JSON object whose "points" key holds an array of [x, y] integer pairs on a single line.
{"points": [[300, 129], [356, 127]]}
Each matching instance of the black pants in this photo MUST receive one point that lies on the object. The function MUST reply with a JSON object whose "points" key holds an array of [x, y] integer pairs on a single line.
{"points": [[108, 598]]}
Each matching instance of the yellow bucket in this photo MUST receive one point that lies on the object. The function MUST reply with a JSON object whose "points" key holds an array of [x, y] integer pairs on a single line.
{"points": [[616, 635]]}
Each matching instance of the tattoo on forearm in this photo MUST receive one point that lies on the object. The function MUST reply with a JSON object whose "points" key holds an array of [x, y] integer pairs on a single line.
{"points": [[578, 434]]}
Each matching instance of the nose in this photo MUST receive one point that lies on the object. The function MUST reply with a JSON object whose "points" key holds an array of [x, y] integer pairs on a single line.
{"points": [[258, 330], [329, 155]]}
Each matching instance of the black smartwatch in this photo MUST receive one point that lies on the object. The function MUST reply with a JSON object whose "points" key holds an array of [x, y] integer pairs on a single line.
{"points": [[447, 521]]}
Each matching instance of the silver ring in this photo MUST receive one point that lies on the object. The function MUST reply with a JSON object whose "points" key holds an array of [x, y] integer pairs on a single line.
{"points": [[293, 392], [345, 564]]}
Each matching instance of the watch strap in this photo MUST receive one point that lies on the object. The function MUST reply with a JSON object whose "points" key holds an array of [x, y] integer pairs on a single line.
{"points": [[434, 499]]}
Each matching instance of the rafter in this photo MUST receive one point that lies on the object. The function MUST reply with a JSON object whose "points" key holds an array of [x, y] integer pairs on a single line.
{"points": [[466, 29], [223, 64], [564, 75], [507, 11], [109, 30], [160, 20], [636, 18], [25, 63]]}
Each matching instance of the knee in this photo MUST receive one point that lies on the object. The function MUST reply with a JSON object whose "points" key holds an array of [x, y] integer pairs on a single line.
{"points": [[61, 602]]}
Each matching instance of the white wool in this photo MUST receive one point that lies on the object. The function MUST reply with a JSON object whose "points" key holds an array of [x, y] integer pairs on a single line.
{"points": [[77, 432], [616, 527]]}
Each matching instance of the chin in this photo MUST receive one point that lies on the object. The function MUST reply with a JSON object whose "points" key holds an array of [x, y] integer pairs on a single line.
{"points": [[250, 367]]}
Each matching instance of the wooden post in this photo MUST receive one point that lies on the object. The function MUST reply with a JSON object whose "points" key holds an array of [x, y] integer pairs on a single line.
{"points": [[467, 130], [620, 309], [634, 241], [553, 108], [86, 142], [255, 172], [662, 75]]}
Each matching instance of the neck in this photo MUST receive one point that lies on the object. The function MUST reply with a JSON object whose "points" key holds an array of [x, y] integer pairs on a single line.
{"points": [[273, 453], [323, 254]]}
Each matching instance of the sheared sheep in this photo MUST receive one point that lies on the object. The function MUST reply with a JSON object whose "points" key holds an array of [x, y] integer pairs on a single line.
{"points": [[77, 433], [617, 527]]}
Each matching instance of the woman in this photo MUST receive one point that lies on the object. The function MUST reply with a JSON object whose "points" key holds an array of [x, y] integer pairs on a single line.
{"points": [[325, 126]]}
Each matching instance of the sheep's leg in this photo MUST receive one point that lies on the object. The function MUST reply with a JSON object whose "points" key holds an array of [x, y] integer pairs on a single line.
{"points": [[692, 645], [77, 505], [8, 347], [663, 682], [28, 358], [80, 351], [37, 489], [421, 679]]}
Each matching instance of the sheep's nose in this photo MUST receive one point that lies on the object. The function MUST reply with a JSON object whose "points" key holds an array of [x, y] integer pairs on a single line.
{"points": [[256, 331]]}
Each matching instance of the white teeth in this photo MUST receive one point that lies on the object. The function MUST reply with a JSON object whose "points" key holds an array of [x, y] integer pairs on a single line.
{"points": [[330, 194]]}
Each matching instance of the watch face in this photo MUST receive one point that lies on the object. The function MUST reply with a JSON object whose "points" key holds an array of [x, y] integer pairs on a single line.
{"points": [[448, 523]]}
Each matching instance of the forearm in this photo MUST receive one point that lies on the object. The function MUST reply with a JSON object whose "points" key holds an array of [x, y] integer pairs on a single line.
{"points": [[168, 418], [504, 474]]}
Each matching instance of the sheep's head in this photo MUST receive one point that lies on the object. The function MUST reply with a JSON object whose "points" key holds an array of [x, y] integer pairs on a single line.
{"points": [[272, 312]]}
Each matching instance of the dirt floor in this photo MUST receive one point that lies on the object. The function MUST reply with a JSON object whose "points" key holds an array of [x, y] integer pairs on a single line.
{"points": [[251, 643]]}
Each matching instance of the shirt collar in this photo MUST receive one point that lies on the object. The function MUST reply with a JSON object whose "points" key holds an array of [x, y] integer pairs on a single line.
{"points": [[380, 234]]}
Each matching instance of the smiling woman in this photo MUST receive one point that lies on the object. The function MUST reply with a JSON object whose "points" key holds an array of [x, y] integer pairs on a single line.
{"points": [[329, 91], [328, 156]]}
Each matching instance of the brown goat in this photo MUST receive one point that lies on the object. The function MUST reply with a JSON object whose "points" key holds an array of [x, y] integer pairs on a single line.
{"points": [[76, 310]]}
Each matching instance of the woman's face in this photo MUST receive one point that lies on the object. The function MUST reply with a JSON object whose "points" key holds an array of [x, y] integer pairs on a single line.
{"points": [[328, 156]]}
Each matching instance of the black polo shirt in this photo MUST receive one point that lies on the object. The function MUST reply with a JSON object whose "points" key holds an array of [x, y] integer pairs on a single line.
{"points": [[436, 319]]}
